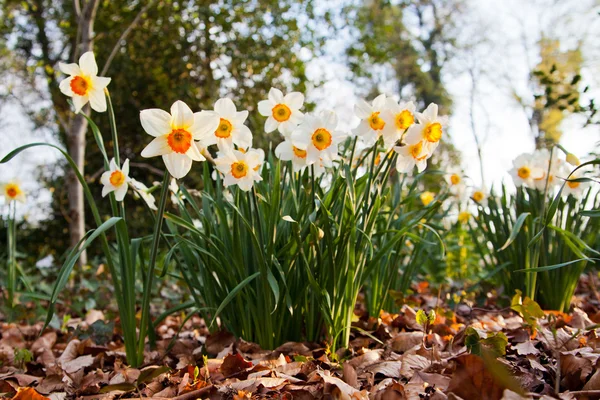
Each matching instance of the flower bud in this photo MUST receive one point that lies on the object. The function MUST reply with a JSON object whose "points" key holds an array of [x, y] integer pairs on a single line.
{"points": [[573, 160]]}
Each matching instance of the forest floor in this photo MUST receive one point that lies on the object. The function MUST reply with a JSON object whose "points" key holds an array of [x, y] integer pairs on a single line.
{"points": [[389, 357]]}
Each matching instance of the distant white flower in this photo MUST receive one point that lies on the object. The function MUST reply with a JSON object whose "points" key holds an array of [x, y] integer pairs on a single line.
{"points": [[286, 151], [398, 118], [174, 136], [479, 196], [142, 191], [282, 112], [410, 155], [456, 183], [318, 135], [115, 180], [429, 129], [239, 168], [575, 188], [549, 171], [371, 123], [12, 192], [230, 129], [176, 195], [525, 171], [84, 84]]}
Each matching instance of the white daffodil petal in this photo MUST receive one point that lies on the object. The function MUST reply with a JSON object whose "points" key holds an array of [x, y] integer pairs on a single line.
{"points": [[265, 108], [87, 63], [177, 164], [276, 96], [79, 102], [98, 100], [294, 100], [65, 87], [157, 147], [194, 153], [69, 69], [100, 82], [271, 124], [125, 168], [120, 192], [156, 122], [362, 109], [225, 108], [183, 117], [205, 124]]}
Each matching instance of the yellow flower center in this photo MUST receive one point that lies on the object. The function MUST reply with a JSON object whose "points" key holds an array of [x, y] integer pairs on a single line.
{"points": [[321, 139], [281, 112], [179, 140], [478, 196], [573, 185], [427, 198], [464, 217], [377, 159], [12, 191], [376, 122], [415, 151], [80, 85], [224, 129], [524, 172], [239, 169], [433, 132], [455, 179], [404, 120], [117, 178], [299, 152]]}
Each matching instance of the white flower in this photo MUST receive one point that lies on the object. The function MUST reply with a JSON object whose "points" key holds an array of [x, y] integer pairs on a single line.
{"points": [[372, 123], [176, 196], [398, 118], [282, 111], [575, 188], [479, 196], [410, 155], [239, 168], [12, 192], [230, 128], [541, 161], [84, 84], [429, 129], [175, 134], [525, 170], [318, 135], [286, 151], [142, 191], [115, 180]]}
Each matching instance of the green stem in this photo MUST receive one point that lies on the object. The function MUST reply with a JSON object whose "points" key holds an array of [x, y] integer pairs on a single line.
{"points": [[151, 267]]}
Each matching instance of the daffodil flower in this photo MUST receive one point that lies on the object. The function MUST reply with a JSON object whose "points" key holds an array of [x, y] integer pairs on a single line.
{"points": [[116, 180], [319, 137], [143, 192], [12, 192], [410, 155], [525, 171], [429, 129], [83, 84], [230, 129], [239, 168], [282, 112], [549, 170], [286, 151], [427, 198], [175, 135], [573, 188], [371, 123], [398, 118], [479, 196]]}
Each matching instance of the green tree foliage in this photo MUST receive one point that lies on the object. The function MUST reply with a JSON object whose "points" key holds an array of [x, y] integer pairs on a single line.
{"points": [[196, 51]]}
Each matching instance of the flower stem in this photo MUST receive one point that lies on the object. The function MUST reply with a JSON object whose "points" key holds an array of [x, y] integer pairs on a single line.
{"points": [[151, 266]]}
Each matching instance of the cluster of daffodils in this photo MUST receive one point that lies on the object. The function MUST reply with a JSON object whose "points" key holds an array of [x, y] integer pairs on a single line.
{"points": [[534, 169], [12, 191], [414, 136]]}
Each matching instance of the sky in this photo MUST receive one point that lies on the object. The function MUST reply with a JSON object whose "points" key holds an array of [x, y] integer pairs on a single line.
{"points": [[506, 33]]}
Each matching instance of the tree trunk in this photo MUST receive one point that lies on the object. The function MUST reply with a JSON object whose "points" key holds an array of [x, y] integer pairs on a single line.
{"points": [[76, 133]]}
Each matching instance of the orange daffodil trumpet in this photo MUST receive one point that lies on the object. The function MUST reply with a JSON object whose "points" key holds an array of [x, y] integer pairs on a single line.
{"points": [[116, 180], [429, 129], [83, 84], [175, 136], [12, 191], [282, 112]]}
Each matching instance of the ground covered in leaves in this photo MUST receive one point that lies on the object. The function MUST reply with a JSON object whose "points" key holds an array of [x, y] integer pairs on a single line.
{"points": [[467, 352]]}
